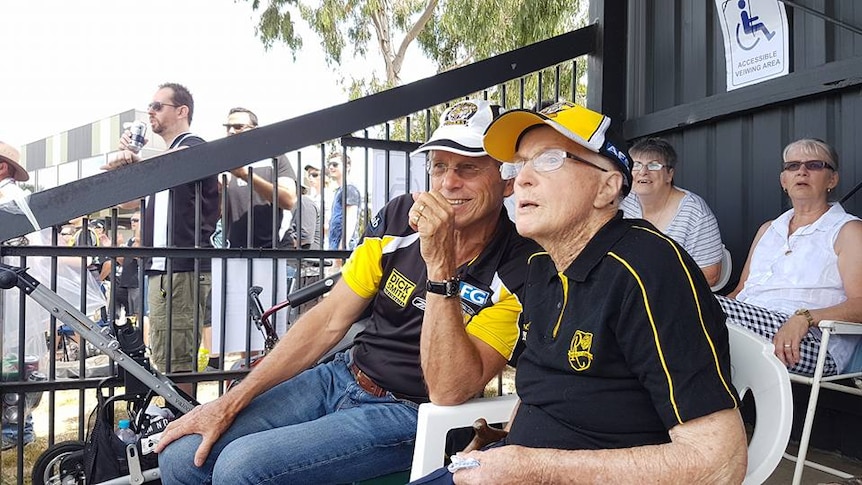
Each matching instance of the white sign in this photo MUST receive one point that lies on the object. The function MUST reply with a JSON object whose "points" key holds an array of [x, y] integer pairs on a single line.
{"points": [[755, 40], [236, 304], [397, 181]]}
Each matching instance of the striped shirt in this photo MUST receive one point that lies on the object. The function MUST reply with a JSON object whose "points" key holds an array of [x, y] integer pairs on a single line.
{"points": [[693, 226]]}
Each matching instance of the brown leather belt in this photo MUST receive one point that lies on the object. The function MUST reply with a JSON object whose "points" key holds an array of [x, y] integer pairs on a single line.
{"points": [[366, 383]]}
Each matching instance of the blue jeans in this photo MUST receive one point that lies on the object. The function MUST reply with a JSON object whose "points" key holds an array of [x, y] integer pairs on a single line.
{"points": [[319, 427], [10, 431]]}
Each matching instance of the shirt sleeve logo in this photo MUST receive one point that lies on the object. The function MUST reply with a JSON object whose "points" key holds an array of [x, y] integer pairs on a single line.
{"points": [[398, 288], [580, 356], [473, 295]]}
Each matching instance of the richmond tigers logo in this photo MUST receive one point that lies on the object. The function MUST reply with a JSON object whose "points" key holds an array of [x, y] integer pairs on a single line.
{"points": [[580, 356]]}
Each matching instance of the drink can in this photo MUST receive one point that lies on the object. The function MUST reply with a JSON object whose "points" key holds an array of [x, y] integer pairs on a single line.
{"points": [[31, 365], [138, 135]]}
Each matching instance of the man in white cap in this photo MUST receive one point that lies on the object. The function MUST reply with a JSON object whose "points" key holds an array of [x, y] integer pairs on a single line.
{"points": [[439, 272]]}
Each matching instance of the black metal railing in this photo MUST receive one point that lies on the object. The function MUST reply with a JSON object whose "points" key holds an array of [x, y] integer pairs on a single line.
{"points": [[383, 125]]}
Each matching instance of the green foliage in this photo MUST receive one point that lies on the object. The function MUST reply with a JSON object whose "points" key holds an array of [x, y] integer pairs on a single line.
{"points": [[468, 30], [455, 33], [276, 24]]}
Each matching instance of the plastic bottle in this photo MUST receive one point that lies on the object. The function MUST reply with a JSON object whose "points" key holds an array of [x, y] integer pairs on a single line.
{"points": [[203, 359], [125, 434]]}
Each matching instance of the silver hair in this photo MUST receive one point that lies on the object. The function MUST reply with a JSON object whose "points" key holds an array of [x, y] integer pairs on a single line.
{"points": [[812, 145]]}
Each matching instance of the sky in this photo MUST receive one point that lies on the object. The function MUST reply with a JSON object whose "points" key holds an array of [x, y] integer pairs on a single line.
{"points": [[67, 63]]}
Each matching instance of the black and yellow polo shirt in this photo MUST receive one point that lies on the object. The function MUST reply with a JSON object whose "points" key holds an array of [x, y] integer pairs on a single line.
{"points": [[623, 345], [388, 267]]}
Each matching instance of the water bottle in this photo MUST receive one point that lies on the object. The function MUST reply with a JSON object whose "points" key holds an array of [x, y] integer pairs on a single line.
{"points": [[125, 433]]}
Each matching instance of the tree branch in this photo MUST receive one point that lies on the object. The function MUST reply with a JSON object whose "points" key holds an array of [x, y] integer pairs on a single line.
{"points": [[380, 20], [414, 31]]}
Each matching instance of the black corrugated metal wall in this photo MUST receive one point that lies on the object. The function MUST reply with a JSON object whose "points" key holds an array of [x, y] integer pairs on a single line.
{"points": [[730, 142]]}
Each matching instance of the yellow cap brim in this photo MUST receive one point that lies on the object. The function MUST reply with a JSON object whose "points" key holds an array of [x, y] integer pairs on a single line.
{"points": [[585, 127], [502, 136]]}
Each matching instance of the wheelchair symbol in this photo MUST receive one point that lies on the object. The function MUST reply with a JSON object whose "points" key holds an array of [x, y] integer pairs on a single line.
{"points": [[750, 26]]}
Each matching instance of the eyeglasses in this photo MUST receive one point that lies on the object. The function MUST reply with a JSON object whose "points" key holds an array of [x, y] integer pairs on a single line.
{"points": [[135, 219], [235, 126], [314, 175], [333, 164], [547, 161], [158, 105], [810, 165], [465, 171], [651, 166]]}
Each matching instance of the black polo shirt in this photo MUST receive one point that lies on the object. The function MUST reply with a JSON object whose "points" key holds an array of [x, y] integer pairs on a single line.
{"points": [[389, 268], [182, 207], [623, 345]]}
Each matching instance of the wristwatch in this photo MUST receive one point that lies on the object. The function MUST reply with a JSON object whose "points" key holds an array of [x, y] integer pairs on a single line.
{"points": [[807, 314], [447, 288]]}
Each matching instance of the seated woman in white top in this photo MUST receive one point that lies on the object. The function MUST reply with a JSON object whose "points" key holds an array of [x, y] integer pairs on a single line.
{"points": [[803, 267], [677, 212]]}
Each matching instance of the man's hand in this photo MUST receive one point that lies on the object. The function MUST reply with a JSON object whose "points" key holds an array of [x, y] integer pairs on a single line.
{"points": [[209, 420], [505, 464], [433, 218], [120, 159], [240, 173], [788, 339], [123, 157]]}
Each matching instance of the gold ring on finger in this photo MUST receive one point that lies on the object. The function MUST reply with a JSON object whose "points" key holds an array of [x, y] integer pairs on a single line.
{"points": [[421, 208]]}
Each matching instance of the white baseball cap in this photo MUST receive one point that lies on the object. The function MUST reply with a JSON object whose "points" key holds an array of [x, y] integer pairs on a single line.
{"points": [[462, 127]]}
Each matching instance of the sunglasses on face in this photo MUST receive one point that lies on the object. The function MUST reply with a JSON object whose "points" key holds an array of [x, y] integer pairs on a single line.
{"points": [[334, 164], [810, 165], [314, 175], [135, 219], [651, 166], [235, 126], [462, 170], [158, 106]]}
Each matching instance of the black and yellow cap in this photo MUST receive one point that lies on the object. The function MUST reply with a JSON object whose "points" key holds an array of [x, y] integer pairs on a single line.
{"points": [[585, 127]]}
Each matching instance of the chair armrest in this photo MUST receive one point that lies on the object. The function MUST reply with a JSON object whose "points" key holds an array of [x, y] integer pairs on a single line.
{"points": [[434, 422], [841, 328]]}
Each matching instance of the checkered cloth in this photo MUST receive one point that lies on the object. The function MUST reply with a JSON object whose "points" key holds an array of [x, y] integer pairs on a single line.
{"points": [[765, 323]]}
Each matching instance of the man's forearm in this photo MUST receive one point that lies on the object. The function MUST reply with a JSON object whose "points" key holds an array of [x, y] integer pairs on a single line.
{"points": [[451, 362], [710, 449], [285, 196]]}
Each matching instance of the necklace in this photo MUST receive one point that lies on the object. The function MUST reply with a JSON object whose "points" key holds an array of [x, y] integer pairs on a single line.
{"points": [[793, 229], [659, 219]]}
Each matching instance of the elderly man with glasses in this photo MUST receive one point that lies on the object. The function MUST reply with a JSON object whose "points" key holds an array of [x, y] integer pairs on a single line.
{"points": [[625, 371], [439, 272]]}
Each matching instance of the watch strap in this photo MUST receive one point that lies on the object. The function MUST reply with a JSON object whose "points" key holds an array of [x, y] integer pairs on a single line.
{"points": [[447, 288], [807, 314]]}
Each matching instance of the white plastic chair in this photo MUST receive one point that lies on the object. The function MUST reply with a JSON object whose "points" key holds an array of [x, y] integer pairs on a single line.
{"points": [[754, 369], [726, 268], [817, 381]]}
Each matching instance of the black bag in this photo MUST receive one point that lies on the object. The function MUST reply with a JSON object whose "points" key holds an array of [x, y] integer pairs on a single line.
{"points": [[104, 453]]}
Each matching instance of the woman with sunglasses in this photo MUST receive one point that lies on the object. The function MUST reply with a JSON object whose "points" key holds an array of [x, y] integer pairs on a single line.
{"points": [[680, 214], [803, 267]]}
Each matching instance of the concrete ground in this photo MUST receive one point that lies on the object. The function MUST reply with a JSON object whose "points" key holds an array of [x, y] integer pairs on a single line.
{"points": [[784, 473]]}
